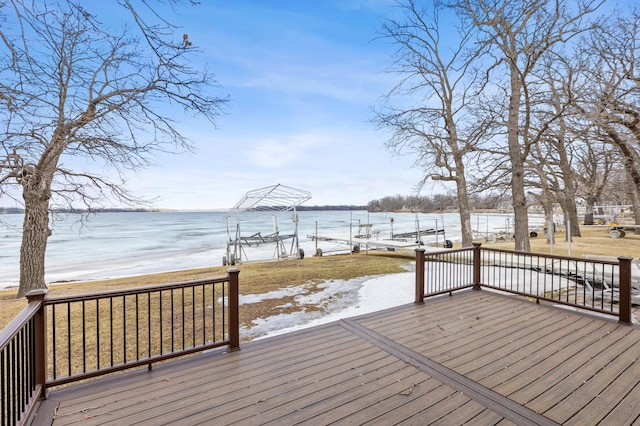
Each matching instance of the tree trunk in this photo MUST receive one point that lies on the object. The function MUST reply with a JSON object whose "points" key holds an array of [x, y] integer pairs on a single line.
{"points": [[636, 207], [35, 232], [546, 200], [570, 213], [36, 192], [629, 160], [569, 192], [570, 216], [464, 211], [588, 209], [635, 203], [518, 195], [549, 226]]}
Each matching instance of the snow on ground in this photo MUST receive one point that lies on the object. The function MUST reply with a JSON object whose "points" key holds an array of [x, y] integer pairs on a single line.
{"points": [[338, 298]]}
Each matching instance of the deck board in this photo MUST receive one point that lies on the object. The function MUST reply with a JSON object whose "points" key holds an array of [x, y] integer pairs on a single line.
{"points": [[300, 392], [574, 369], [544, 366], [587, 383], [475, 357]]}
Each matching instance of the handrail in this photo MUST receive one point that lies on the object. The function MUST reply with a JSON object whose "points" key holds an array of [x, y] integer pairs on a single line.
{"points": [[61, 339], [132, 291], [104, 332], [596, 285], [22, 362], [455, 272]]}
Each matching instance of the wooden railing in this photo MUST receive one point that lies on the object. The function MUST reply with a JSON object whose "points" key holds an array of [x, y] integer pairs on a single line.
{"points": [[62, 339], [595, 285], [22, 363]]}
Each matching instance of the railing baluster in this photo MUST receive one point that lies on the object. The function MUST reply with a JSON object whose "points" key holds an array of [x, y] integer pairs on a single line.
{"points": [[111, 329], [513, 269], [149, 323], [20, 370], [161, 324], [204, 315], [53, 339], [3, 388], [124, 329], [84, 338], [136, 300], [12, 380], [97, 334], [223, 316], [172, 322], [537, 275], [193, 316], [182, 313]]}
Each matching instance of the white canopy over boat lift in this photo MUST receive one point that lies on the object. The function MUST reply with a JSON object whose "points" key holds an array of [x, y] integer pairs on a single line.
{"points": [[277, 199]]}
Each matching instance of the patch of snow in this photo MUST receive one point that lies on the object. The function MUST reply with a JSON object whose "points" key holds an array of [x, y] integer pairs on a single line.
{"points": [[339, 299]]}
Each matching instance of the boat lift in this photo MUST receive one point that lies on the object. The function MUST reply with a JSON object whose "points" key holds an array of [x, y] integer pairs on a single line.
{"points": [[277, 199], [369, 239]]}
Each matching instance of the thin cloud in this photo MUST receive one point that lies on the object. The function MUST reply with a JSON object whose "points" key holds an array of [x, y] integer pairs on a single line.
{"points": [[273, 154]]}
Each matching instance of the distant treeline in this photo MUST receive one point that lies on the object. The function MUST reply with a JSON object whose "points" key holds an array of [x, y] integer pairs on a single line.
{"points": [[18, 210], [436, 203], [393, 203], [11, 210]]}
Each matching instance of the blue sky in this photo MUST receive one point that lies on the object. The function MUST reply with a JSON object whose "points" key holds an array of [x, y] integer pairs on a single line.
{"points": [[302, 77]]}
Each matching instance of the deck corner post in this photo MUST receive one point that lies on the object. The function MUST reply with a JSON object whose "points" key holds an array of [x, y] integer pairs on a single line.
{"points": [[40, 340], [477, 263], [234, 306], [419, 276], [624, 303]]}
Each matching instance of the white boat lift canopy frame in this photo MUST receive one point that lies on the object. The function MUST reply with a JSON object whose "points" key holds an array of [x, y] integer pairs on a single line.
{"points": [[277, 199]]}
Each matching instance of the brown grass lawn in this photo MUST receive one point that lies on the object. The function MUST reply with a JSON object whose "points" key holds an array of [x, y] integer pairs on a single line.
{"points": [[257, 278]]}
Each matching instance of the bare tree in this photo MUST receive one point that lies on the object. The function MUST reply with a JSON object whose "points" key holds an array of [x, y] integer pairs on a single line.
{"points": [[611, 97], [436, 89], [544, 181], [595, 162], [519, 34], [69, 88], [592, 160], [562, 137]]}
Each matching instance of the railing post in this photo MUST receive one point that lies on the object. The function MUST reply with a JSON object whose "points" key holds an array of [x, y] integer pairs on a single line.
{"points": [[419, 276], [40, 339], [477, 263], [624, 302], [234, 315]]}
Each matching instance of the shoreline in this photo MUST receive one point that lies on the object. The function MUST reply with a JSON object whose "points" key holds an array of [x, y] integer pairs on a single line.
{"points": [[595, 241], [119, 244], [270, 275]]}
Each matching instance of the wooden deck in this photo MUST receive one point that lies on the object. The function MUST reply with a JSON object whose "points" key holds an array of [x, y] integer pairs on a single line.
{"points": [[473, 358]]}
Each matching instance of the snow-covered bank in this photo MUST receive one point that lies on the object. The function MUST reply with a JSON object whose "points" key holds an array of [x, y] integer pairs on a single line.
{"points": [[339, 299]]}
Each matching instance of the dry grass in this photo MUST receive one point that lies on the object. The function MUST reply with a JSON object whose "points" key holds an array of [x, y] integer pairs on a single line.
{"points": [[255, 278], [594, 240], [97, 329]]}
